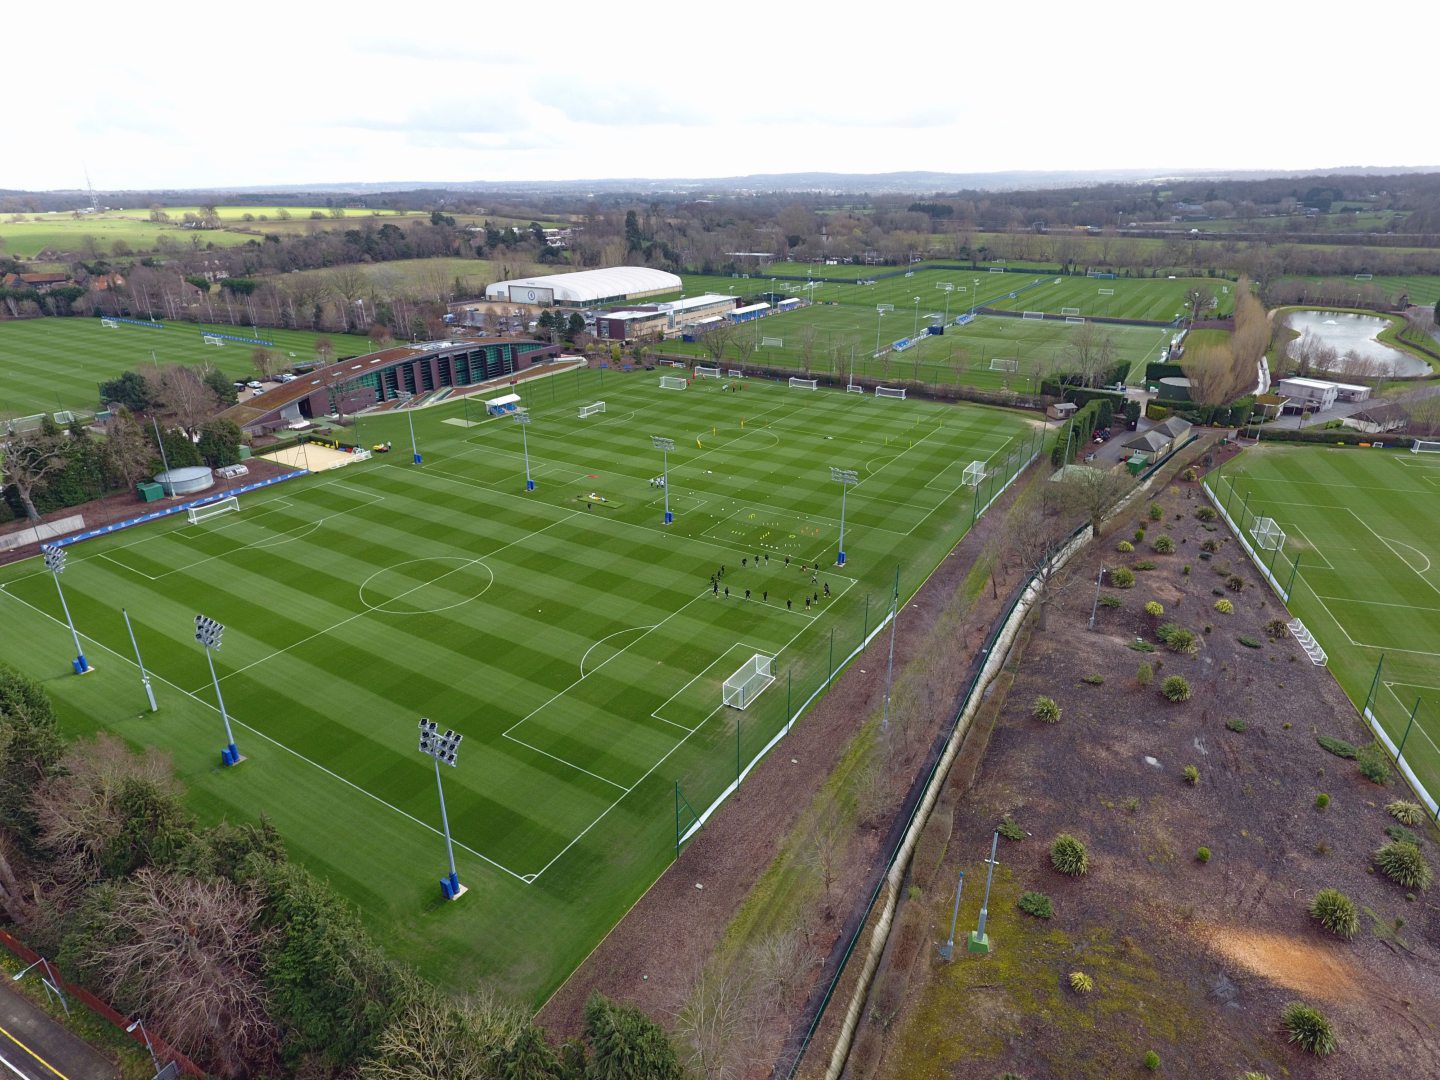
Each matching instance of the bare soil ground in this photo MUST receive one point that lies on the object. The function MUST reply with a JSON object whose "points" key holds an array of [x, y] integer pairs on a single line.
{"points": [[1193, 960]]}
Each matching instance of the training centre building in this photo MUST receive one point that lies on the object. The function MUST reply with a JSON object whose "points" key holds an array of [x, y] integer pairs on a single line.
{"points": [[362, 382], [657, 320], [585, 288]]}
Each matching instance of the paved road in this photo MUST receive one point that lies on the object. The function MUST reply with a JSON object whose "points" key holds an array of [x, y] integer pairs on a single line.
{"points": [[35, 1047]]}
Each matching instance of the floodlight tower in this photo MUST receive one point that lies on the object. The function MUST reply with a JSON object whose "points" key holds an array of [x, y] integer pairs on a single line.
{"points": [[55, 563], [974, 294], [139, 1023], [208, 633], [880, 310], [406, 397], [665, 445], [844, 477], [915, 332], [443, 748], [523, 419], [949, 287]]}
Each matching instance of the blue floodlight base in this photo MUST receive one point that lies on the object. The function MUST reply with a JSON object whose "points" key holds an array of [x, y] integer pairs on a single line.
{"points": [[230, 756], [529, 485], [451, 888], [81, 665], [841, 560], [979, 943], [417, 460], [669, 518]]}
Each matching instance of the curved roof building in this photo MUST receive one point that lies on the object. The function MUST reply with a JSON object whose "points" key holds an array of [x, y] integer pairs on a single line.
{"points": [[585, 288]]}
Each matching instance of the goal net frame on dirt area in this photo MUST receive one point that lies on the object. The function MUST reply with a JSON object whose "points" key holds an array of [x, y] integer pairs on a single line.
{"points": [[749, 681]]}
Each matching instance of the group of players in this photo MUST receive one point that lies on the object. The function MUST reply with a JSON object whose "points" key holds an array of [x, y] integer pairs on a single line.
{"points": [[717, 585]]}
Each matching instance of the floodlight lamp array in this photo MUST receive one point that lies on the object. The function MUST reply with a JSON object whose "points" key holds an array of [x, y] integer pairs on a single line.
{"points": [[844, 476], [54, 558], [442, 748], [662, 443], [208, 631]]}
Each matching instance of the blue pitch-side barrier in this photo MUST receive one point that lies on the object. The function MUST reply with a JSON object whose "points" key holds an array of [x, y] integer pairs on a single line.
{"points": [[935, 331], [155, 515], [134, 322], [232, 337], [962, 320], [904, 343]]}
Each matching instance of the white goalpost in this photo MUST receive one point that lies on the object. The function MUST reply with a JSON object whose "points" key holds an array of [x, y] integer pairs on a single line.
{"points": [[1364, 277], [768, 342], [852, 388], [1424, 446], [1268, 535], [212, 339], [671, 382], [890, 392], [974, 474], [749, 682], [1107, 292], [735, 373], [109, 324], [703, 372], [1072, 320], [999, 363], [1032, 315], [804, 384], [591, 409], [1069, 311], [197, 514]]}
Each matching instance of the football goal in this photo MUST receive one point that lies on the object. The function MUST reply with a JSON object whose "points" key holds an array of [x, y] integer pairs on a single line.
{"points": [[804, 384], [1423, 446], [1069, 311], [1032, 315], [671, 382], [591, 409], [671, 363], [974, 474], [735, 373], [1268, 535], [197, 514], [893, 392], [769, 342], [999, 363], [212, 339], [1364, 277], [997, 269], [750, 681], [110, 324], [703, 372], [1107, 292], [852, 388], [1073, 320]]}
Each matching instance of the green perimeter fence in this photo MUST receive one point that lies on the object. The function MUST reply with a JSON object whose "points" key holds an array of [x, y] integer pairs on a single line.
{"points": [[1390, 720], [744, 736]]}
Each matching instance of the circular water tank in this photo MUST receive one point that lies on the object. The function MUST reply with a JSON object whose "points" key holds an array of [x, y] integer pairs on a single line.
{"points": [[186, 481], [1175, 388]]}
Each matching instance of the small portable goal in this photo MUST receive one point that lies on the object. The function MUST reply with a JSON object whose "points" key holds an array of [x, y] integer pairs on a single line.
{"points": [[974, 474], [1069, 311], [591, 409], [197, 514], [1074, 320], [703, 372], [804, 384], [671, 382], [890, 392], [735, 373], [999, 363], [1268, 535], [749, 682], [1032, 316], [1106, 292], [212, 339], [109, 324], [852, 388], [1423, 446]]}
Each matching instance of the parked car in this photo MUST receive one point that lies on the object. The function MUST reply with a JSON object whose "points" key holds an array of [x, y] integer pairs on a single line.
{"points": [[254, 384], [287, 377]]}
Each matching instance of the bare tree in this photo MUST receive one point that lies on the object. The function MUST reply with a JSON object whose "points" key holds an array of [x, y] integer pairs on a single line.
{"points": [[807, 348], [1036, 530], [26, 460], [263, 361], [1089, 352], [1198, 299], [714, 1023], [716, 340], [325, 349], [1093, 492], [347, 284], [185, 399], [822, 851]]}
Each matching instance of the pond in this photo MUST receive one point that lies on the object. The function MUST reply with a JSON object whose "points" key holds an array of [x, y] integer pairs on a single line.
{"points": [[1353, 339]]}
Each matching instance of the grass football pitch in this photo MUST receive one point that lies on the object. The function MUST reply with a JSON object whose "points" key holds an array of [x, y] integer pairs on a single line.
{"points": [[52, 364], [576, 643], [1362, 523]]}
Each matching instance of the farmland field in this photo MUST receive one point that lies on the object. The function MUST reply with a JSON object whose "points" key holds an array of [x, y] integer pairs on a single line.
{"points": [[570, 636], [1362, 524], [51, 364]]}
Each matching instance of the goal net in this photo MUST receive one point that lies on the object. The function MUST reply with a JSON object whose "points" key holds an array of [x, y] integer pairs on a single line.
{"points": [[1364, 277], [750, 681], [592, 409], [1073, 320], [997, 269], [852, 388], [804, 384], [1106, 292], [769, 342], [999, 363], [671, 382], [1032, 315], [212, 339], [735, 373], [197, 514], [703, 372], [110, 324], [1422, 446], [1268, 535], [1069, 311], [974, 474], [886, 391]]}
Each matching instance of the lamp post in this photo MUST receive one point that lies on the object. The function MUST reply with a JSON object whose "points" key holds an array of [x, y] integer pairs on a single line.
{"points": [[138, 1023], [208, 633], [949, 288], [844, 477], [406, 397], [665, 445], [55, 563], [974, 294], [948, 949], [443, 748], [523, 419], [144, 675], [890, 664], [916, 329], [880, 310], [979, 942]]}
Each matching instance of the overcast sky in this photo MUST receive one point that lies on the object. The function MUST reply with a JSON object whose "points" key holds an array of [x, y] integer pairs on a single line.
{"points": [[170, 95]]}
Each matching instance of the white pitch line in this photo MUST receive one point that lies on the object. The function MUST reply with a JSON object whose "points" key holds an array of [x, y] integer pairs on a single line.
{"points": [[562, 761]]}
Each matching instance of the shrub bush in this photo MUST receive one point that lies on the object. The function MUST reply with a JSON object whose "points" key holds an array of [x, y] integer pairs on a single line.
{"points": [[1143, 564], [1122, 578], [1152, 1060], [1276, 629], [1109, 601], [1124, 547], [1141, 645], [1144, 674], [1336, 912], [1165, 545], [1081, 983], [1403, 864], [1248, 641], [1155, 513], [1177, 638], [1068, 855], [1206, 513], [1036, 904], [1339, 747], [1202, 855], [1009, 830], [1236, 725], [1044, 708], [1154, 608], [1189, 474], [1322, 801], [1308, 1029], [1175, 689], [1139, 535], [1374, 764], [1407, 813], [1235, 583], [1093, 680], [1210, 546], [1224, 607], [1404, 835], [1191, 774]]}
